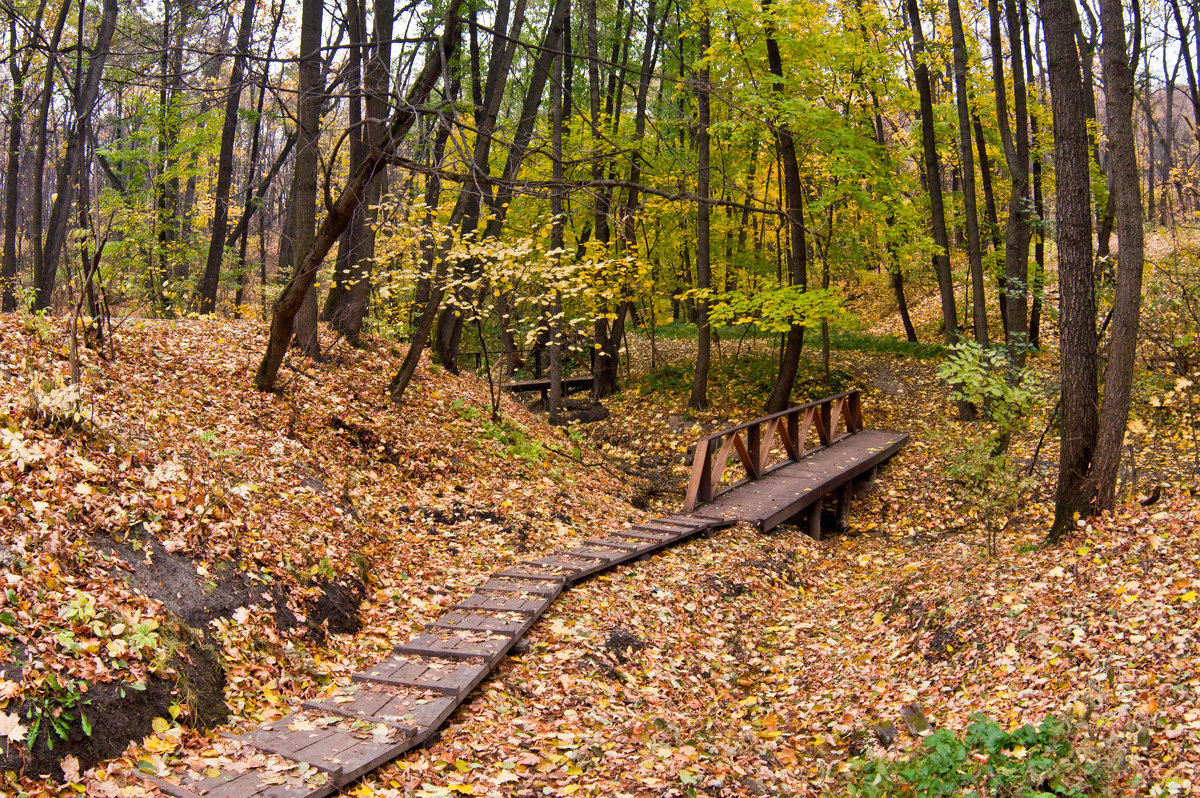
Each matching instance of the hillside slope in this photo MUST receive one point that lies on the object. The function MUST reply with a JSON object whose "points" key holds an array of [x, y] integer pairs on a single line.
{"points": [[738, 664]]}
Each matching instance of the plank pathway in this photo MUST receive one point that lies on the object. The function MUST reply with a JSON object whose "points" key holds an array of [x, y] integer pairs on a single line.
{"points": [[402, 701]]}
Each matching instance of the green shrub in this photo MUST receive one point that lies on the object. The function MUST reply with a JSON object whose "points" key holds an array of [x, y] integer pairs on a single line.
{"points": [[1051, 759]]}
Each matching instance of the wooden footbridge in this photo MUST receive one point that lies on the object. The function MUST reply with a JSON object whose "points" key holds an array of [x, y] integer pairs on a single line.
{"points": [[403, 701], [784, 472]]}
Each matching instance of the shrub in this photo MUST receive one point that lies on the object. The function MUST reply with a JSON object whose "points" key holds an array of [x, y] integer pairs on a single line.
{"points": [[1051, 759]]}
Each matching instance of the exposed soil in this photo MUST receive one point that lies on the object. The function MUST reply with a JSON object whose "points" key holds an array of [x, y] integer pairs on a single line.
{"points": [[119, 711]]}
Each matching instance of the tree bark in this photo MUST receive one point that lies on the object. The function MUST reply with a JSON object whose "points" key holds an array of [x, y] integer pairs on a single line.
{"points": [[18, 71], [793, 189], [41, 127], [1079, 421], [699, 398], [349, 321], [304, 178], [470, 199], [345, 266], [967, 160], [937, 209], [210, 280], [1122, 155]]}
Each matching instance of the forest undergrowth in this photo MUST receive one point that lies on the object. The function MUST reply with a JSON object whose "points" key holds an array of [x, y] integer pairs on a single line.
{"points": [[736, 664]]}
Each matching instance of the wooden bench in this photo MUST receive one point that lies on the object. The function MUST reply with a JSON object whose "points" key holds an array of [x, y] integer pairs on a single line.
{"points": [[570, 385]]}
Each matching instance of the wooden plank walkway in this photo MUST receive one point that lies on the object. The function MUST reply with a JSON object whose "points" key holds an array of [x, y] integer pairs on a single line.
{"points": [[784, 473], [401, 702]]}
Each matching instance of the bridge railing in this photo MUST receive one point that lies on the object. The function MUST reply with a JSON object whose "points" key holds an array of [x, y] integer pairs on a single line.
{"points": [[753, 442]]}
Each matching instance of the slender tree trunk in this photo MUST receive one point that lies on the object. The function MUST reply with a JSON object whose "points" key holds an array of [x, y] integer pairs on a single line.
{"points": [[210, 280], [933, 176], [1079, 420], [470, 200], [41, 128], [375, 83], [345, 266], [85, 101], [1122, 155], [241, 231], [793, 190], [1039, 204], [966, 155], [1016, 152], [304, 179], [18, 71], [699, 398]]}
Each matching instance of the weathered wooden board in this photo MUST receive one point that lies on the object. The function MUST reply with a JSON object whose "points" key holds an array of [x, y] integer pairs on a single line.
{"points": [[457, 644], [538, 586], [408, 710], [445, 676], [511, 624], [505, 602], [343, 749]]}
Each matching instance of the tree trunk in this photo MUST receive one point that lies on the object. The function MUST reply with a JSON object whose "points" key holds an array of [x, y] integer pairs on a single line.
{"points": [[304, 178], [288, 304], [699, 398], [345, 266], [41, 127], [793, 189], [1016, 153], [1076, 282], [375, 84], [211, 279], [18, 70], [970, 211], [933, 175], [1122, 155], [470, 199], [73, 158]]}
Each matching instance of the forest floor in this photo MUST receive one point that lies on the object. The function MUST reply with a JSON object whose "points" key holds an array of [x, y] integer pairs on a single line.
{"points": [[737, 664]]}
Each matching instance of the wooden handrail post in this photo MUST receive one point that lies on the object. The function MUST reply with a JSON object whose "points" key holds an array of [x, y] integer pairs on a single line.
{"points": [[699, 490], [793, 428], [826, 416], [856, 411], [754, 443]]}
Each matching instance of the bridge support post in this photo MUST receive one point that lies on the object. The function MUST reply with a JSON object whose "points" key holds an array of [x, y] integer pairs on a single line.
{"points": [[814, 519], [843, 507]]}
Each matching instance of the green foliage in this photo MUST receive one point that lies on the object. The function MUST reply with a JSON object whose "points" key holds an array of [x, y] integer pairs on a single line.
{"points": [[55, 708], [985, 378], [851, 341], [987, 485], [1051, 759], [743, 381], [774, 310], [513, 440]]}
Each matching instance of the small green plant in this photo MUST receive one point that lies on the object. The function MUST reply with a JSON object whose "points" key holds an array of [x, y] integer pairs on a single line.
{"points": [[987, 485], [1051, 759], [56, 709]]}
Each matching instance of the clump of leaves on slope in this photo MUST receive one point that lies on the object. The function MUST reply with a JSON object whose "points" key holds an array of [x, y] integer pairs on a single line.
{"points": [[1051, 759]]}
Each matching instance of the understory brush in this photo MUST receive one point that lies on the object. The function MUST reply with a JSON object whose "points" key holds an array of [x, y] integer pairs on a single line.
{"points": [[988, 485], [1059, 757]]}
